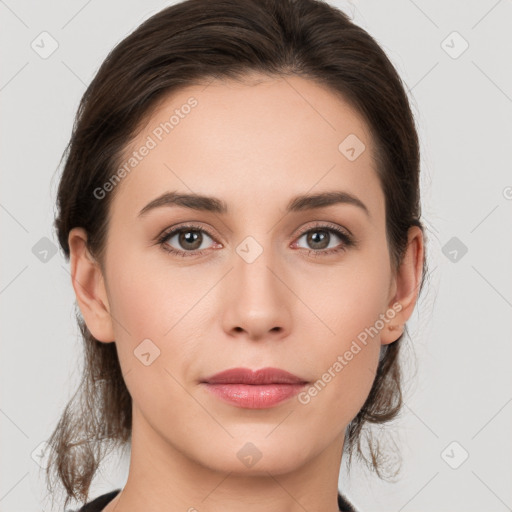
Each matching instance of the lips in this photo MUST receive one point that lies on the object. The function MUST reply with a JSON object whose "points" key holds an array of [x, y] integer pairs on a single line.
{"points": [[257, 377], [260, 389]]}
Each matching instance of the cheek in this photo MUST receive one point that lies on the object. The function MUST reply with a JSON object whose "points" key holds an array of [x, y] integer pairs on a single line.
{"points": [[136, 305], [146, 301], [149, 315], [153, 315], [141, 313], [349, 303], [345, 300]]}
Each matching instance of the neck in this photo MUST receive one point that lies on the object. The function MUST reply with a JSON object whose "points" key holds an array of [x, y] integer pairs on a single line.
{"points": [[162, 477]]}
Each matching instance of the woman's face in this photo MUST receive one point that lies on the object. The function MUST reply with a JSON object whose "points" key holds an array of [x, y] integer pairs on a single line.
{"points": [[265, 283]]}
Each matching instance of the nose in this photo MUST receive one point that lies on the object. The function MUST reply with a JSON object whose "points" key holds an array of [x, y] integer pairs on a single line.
{"points": [[257, 299]]}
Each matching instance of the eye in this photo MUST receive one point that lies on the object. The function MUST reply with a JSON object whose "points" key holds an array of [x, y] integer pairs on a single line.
{"points": [[321, 240], [189, 239]]}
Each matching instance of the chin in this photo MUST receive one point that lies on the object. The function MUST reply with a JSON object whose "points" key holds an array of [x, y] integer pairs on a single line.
{"points": [[257, 456]]}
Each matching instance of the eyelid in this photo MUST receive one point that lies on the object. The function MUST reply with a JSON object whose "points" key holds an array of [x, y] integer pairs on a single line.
{"points": [[183, 226], [326, 224], [348, 239]]}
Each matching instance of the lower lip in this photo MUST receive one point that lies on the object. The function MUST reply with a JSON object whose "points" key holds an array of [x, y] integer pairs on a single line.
{"points": [[251, 396]]}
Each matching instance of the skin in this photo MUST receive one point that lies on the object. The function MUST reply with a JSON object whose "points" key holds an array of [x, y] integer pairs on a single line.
{"points": [[255, 146]]}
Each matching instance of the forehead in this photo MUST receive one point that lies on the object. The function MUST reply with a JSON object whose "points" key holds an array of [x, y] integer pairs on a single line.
{"points": [[252, 143]]}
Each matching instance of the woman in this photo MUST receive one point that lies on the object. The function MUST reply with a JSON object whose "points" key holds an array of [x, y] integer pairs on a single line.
{"points": [[240, 208]]}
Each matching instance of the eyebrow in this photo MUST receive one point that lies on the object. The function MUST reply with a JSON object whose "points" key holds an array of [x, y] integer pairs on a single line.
{"points": [[215, 205]]}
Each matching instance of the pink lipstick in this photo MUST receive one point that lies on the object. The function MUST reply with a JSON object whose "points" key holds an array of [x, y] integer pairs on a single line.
{"points": [[258, 389]]}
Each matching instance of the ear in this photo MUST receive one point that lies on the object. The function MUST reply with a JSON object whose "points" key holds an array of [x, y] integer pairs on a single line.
{"points": [[405, 287], [88, 283]]}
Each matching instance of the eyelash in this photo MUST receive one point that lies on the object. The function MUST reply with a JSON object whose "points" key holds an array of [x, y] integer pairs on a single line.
{"points": [[347, 240]]}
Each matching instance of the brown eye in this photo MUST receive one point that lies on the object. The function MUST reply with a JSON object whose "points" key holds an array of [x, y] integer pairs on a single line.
{"points": [[190, 241], [320, 240]]}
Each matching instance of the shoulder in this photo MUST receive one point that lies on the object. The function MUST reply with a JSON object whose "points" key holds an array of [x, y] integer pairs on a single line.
{"points": [[344, 505], [99, 503]]}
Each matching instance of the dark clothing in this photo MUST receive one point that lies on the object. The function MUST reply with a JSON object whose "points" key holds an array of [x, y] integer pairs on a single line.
{"points": [[98, 504], [344, 505]]}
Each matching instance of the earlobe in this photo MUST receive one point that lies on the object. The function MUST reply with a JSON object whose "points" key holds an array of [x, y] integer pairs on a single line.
{"points": [[88, 283], [391, 333], [407, 283]]}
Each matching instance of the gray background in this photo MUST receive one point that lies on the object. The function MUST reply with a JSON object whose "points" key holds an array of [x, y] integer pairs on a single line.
{"points": [[459, 402]]}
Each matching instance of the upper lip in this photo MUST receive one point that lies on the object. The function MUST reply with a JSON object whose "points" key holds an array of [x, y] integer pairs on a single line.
{"points": [[248, 376]]}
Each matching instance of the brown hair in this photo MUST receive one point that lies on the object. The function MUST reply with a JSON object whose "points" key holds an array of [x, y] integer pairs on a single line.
{"points": [[187, 44]]}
